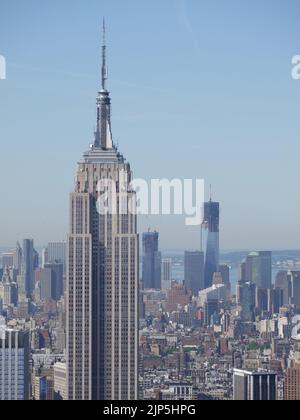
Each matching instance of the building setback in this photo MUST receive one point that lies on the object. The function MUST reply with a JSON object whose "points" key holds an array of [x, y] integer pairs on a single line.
{"points": [[102, 271]]}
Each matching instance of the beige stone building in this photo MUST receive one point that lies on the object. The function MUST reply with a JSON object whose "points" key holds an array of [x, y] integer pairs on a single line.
{"points": [[102, 271]]}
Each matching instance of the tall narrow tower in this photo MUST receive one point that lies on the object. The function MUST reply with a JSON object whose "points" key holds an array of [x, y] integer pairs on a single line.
{"points": [[210, 241], [151, 261], [102, 271]]}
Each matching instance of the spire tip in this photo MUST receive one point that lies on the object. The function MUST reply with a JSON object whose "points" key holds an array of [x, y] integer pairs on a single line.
{"points": [[104, 32], [104, 67]]}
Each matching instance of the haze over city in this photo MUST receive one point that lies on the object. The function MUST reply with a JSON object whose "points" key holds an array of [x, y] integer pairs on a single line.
{"points": [[200, 89]]}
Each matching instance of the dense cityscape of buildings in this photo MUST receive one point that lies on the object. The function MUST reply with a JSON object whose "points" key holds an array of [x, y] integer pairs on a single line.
{"points": [[80, 321], [215, 344]]}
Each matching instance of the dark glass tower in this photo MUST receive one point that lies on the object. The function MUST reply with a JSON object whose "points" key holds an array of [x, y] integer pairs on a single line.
{"points": [[151, 261], [259, 269], [210, 241], [30, 261], [194, 271]]}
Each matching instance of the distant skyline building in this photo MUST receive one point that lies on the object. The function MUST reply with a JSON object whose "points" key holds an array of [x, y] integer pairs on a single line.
{"points": [[46, 280], [57, 270], [102, 271], [44, 257], [282, 282], [210, 241], [242, 272], [262, 299], [294, 281], [56, 252], [224, 270], [30, 261], [275, 300], [217, 279], [151, 277], [18, 257], [166, 273], [259, 269], [51, 281], [194, 271], [7, 259], [8, 290], [211, 309], [177, 297], [289, 283], [246, 300]]}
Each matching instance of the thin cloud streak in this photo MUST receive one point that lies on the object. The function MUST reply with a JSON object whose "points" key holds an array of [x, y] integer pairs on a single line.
{"points": [[184, 20]]}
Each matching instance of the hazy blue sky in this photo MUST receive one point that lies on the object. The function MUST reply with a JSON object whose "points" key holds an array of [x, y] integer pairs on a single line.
{"points": [[199, 89]]}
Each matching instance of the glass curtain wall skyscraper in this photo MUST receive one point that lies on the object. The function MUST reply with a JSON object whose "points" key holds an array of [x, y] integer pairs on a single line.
{"points": [[30, 261], [151, 261], [14, 366], [102, 271], [259, 269], [194, 271], [210, 241]]}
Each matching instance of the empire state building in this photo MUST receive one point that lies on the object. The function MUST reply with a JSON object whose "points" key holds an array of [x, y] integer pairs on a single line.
{"points": [[102, 271]]}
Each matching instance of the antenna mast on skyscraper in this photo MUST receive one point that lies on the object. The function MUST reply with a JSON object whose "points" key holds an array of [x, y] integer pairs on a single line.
{"points": [[104, 66]]}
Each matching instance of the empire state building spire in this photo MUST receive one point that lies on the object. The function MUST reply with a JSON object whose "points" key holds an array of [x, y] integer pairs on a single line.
{"points": [[103, 134], [102, 271], [104, 67]]}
